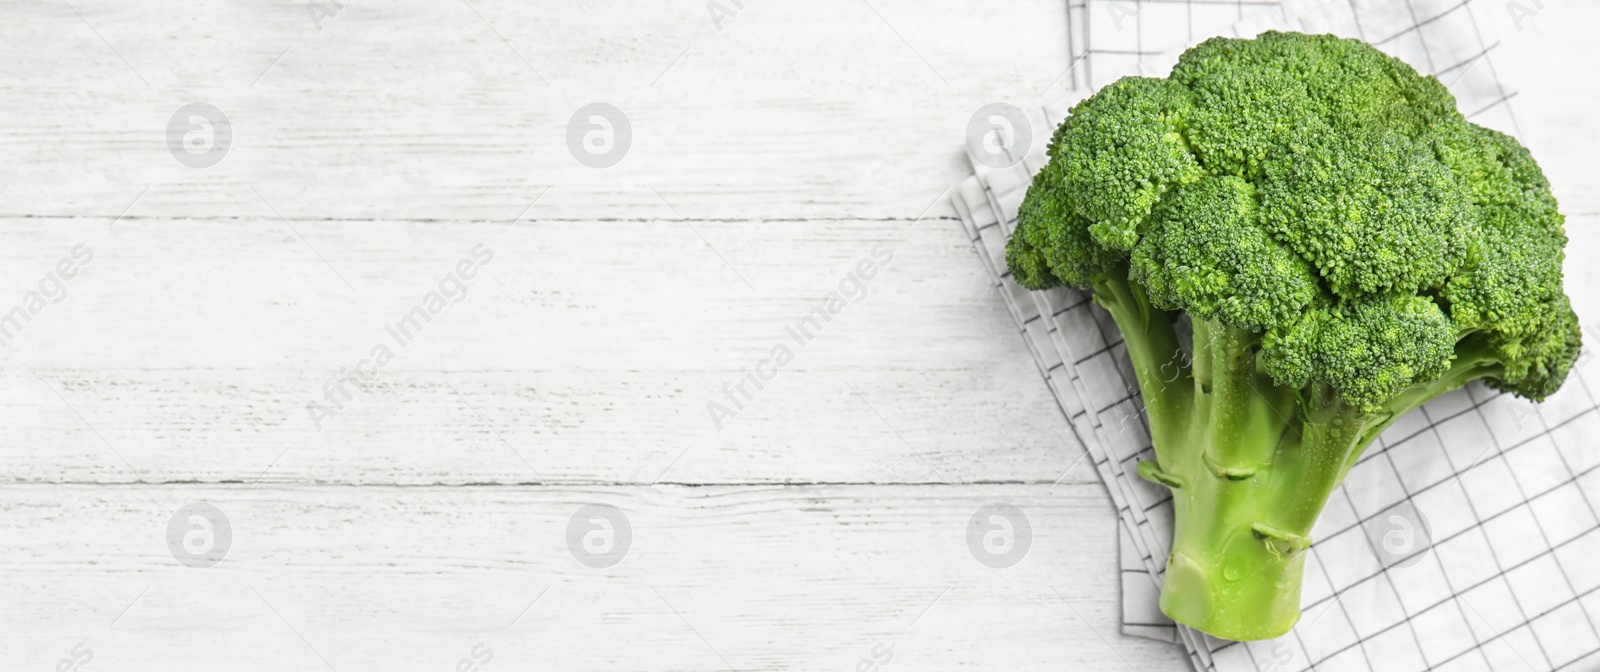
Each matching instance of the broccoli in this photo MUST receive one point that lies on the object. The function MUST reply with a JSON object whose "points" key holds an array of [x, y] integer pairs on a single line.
{"points": [[1311, 236]]}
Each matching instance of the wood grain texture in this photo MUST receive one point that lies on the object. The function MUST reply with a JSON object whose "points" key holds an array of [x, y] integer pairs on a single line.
{"points": [[770, 157], [207, 341], [416, 109], [414, 577]]}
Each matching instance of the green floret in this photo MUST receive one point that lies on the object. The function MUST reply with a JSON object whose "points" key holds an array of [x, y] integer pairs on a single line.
{"points": [[1205, 253], [1027, 264], [1345, 245], [1509, 287], [1535, 364], [1127, 150], [1374, 212], [1242, 116], [1052, 244], [1369, 351]]}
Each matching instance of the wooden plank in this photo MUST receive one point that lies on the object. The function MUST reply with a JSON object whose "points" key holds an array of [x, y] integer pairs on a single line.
{"points": [[192, 349], [416, 109], [763, 578]]}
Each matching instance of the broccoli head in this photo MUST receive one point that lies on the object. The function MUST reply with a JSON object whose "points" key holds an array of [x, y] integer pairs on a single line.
{"points": [[1345, 246]]}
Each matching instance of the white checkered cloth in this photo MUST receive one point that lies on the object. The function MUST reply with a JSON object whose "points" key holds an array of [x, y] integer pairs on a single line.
{"points": [[1506, 576]]}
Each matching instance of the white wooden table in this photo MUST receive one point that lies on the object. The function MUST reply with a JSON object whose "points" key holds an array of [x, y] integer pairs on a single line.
{"points": [[425, 523]]}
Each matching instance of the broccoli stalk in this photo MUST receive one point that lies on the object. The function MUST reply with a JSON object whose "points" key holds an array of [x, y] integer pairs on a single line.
{"points": [[1250, 463], [1345, 247], [1218, 423]]}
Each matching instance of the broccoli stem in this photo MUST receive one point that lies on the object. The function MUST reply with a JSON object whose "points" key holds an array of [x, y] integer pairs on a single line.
{"points": [[1245, 414], [1255, 476], [1160, 366], [1248, 471], [1250, 463]]}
